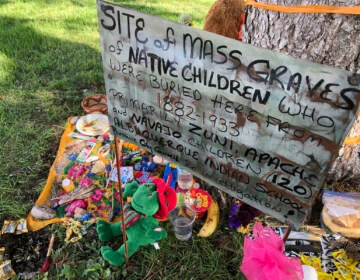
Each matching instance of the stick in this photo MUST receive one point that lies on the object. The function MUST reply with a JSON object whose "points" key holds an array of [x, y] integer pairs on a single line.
{"points": [[118, 152], [46, 264], [287, 233], [111, 214]]}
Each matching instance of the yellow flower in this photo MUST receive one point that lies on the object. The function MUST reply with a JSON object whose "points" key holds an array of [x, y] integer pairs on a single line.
{"points": [[244, 230]]}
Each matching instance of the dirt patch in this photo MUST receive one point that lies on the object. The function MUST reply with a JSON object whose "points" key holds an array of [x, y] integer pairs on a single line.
{"points": [[26, 251]]}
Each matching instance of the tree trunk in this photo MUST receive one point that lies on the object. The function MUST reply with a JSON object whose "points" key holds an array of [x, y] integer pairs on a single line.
{"points": [[330, 39]]}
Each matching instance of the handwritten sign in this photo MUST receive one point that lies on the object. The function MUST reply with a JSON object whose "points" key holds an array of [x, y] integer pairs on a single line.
{"points": [[259, 125]]}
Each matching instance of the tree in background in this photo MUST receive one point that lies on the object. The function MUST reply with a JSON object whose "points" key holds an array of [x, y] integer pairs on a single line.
{"points": [[331, 39]]}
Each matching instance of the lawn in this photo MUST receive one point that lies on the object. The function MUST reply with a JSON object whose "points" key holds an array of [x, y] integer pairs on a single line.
{"points": [[49, 61]]}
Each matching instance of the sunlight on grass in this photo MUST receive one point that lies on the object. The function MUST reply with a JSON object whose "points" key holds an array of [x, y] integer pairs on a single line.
{"points": [[172, 9], [6, 67], [50, 60]]}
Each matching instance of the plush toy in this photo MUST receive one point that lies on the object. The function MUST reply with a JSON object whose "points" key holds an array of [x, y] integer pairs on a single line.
{"points": [[167, 198], [226, 17], [141, 227]]}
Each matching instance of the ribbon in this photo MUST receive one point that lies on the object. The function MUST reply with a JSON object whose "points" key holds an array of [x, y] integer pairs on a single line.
{"points": [[306, 9]]}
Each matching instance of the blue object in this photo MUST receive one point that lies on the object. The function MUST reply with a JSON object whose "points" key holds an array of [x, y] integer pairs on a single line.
{"points": [[72, 156], [144, 178], [108, 167], [174, 174], [145, 165], [86, 217]]}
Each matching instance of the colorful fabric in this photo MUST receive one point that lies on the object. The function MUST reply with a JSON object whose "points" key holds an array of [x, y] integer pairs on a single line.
{"points": [[83, 175], [130, 215]]}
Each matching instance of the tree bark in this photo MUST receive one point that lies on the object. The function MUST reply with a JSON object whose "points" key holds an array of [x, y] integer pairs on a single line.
{"points": [[330, 39]]}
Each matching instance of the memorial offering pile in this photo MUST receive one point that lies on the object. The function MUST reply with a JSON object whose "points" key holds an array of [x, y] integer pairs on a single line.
{"points": [[83, 181], [82, 188]]}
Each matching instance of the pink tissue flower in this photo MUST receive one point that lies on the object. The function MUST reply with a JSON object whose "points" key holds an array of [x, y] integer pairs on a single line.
{"points": [[100, 207], [97, 195], [105, 136], [76, 171], [264, 257], [78, 203], [85, 182]]}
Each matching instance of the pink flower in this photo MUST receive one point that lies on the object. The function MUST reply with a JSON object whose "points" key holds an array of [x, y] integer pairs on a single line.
{"points": [[76, 171], [97, 195], [117, 196], [264, 257], [105, 136], [101, 207], [78, 203], [85, 182]]}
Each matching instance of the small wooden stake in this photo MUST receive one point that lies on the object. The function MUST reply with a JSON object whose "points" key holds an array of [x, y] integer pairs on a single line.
{"points": [[46, 264], [287, 233], [118, 154]]}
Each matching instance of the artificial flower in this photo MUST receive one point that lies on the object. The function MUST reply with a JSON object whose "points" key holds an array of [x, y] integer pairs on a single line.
{"points": [[85, 182], [241, 214], [97, 195], [77, 203], [264, 257], [76, 171]]}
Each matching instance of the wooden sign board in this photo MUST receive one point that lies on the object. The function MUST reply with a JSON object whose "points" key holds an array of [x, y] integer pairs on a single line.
{"points": [[261, 126]]}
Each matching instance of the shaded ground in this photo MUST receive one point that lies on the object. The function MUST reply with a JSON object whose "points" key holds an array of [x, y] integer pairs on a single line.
{"points": [[26, 251]]}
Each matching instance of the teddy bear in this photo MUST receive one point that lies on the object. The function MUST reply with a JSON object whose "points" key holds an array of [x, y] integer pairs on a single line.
{"points": [[150, 202], [226, 17]]}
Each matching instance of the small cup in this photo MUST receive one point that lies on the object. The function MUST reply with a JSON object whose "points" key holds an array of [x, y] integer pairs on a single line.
{"points": [[185, 179], [182, 219]]}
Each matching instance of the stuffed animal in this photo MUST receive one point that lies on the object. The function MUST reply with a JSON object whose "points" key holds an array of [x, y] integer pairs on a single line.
{"points": [[153, 198], [226, 18]]}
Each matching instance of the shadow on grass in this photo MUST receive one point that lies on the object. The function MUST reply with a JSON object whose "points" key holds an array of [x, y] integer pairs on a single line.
{"points": [[4, 2], [38, 60], [42, 82]]}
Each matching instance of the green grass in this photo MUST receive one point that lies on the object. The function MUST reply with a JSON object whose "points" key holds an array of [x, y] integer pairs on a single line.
{"points": [[49, 61], [215, 258]]}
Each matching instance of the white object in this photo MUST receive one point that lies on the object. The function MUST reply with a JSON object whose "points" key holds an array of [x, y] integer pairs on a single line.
{"points": [[309, 272], [93, 124], [156, 245], [43, 212], [185, 179]]}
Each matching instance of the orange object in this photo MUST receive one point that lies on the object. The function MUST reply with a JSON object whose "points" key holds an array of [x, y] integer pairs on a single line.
{"points": [[242, 22], [95, 103], [306, 9], [352, 141], [67, 185], [35, 224], [199, 200], [130, 146]]}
